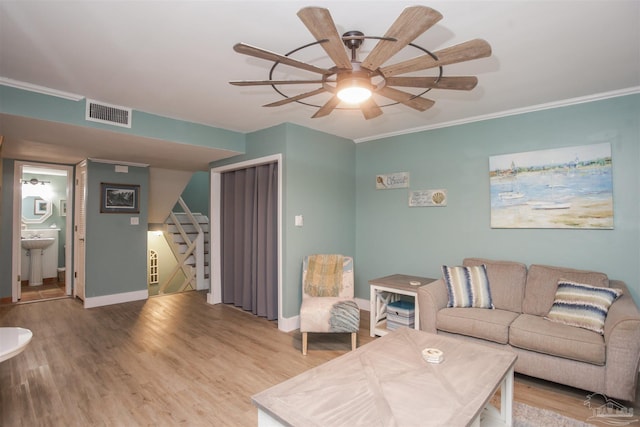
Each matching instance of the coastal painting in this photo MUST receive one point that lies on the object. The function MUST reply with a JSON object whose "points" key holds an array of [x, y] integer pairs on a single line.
{"points": [[569, 187]]}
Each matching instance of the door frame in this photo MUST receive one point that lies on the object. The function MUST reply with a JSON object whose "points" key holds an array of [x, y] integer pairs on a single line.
{"points": [[16, 263], [79, 255], [215, 293]]}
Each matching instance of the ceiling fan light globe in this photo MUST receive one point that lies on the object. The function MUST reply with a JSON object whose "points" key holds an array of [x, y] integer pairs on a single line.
{"points": [[354, 94]]}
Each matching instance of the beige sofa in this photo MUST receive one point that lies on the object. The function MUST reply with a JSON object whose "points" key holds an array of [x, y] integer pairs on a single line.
{"points": [[522, 296]]}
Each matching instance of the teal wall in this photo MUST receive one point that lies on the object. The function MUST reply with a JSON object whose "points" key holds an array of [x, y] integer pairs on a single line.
{"points": [[3, 263], [44, 107], [320, 178], [318, 183], [30, 104], [6, 229], [265, 142], [116, 251], [196, 194], [393, 238], [330, 181]]}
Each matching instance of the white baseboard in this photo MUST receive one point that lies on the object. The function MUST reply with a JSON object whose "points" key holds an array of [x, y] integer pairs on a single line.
{"points": [[204, 285], [213, 299], [288, 324], [364, 304], [93, 302]]}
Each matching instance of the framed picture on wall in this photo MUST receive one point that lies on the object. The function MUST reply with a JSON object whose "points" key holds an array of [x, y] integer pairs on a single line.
{"points": [[119, 198], [569, 187], [40, 206]]}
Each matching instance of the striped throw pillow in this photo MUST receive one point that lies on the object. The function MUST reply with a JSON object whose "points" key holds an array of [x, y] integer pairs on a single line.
{"points": [[468, 286], [581, 305]]}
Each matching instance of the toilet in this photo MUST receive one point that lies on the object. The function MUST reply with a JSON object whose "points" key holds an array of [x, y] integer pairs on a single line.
{"points": [[61, 275]]}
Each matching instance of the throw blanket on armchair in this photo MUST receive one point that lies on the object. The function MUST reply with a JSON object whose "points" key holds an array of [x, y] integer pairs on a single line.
{"points": [[345, 317], [324, 275]]}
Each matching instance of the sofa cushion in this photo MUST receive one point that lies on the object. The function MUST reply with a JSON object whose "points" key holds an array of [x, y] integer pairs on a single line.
{"points": [[582, 305], [491, 325], [467, 286], [506, 281], [542, 282], [537, 334]]}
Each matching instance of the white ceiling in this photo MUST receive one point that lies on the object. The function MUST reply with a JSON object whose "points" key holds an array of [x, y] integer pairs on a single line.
{"points": [[175, 58]]}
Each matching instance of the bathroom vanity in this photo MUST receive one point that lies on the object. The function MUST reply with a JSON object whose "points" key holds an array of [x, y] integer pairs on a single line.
{"points": [[39, 255]]}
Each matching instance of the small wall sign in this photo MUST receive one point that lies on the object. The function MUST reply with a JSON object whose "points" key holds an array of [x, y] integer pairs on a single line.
{"points": [[393, 180], [428, 198]]}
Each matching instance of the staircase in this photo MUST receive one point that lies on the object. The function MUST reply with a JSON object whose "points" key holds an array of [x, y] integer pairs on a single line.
{"points": [[188, 236]]}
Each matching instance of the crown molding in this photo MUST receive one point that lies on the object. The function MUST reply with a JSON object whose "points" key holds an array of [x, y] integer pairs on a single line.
{"points": [[40, 89], [506, 113], [119, 162]]}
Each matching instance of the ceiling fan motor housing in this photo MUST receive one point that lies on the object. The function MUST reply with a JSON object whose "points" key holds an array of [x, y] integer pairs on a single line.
{"points": [[353, 39], [354, 76], [356, 79]]}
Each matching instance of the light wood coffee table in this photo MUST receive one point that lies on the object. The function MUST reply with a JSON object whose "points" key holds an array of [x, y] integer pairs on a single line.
{"points": [[388, 382]]}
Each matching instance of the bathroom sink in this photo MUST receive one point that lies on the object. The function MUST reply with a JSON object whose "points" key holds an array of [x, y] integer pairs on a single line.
{"points": [[37, 242]]}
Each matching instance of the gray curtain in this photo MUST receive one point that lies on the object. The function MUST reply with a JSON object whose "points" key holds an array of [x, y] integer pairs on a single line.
{"points": [[249, 239]]}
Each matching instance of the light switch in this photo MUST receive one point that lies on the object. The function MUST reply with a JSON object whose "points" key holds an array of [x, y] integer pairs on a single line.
{"points": [[299, 221], [135, 220]]}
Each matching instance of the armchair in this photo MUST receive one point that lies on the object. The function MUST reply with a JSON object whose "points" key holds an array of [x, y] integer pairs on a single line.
{"points": [[328, 303]]}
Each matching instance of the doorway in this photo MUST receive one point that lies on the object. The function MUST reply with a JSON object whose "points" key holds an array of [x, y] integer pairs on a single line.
{"points": [[79, 234], [215, 294], [42, 216], [249, 239]]}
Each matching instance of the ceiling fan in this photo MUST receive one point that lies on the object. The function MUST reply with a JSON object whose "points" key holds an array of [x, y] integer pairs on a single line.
{"points": [[354, 82]]}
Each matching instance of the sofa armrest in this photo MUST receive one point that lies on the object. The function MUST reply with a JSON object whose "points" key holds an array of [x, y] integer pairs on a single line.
{"points": [[622, 338], [431, 299]]}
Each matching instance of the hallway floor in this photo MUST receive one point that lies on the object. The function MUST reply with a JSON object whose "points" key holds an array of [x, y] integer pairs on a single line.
{"points": [[42, 292]]}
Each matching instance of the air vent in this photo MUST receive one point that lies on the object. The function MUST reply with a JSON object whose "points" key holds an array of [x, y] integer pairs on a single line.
{"points": [[109, 114]]}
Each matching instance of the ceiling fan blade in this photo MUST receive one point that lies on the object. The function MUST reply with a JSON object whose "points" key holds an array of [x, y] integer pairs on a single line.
{"points": [[412, 22], [296, 98], [466, 51], [327, 108], [420, 104], [370, 109], [272, 56], [455, 83], [319, 23], [272, 82]]}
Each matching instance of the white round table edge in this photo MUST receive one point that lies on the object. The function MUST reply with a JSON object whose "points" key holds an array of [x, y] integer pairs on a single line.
{"points": [[13, 340]]}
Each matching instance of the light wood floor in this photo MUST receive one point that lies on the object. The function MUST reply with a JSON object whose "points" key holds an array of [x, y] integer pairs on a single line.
{"points": [[170, 360]]}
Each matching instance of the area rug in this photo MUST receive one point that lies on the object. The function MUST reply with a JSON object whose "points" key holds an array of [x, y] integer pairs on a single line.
{"points": [[529, 416]]}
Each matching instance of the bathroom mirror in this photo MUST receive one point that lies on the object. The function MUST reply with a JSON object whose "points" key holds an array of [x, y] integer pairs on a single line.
{"points": [[35, 210]]}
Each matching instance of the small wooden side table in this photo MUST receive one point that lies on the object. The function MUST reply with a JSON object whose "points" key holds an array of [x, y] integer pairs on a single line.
{"points": [[388, 289]]}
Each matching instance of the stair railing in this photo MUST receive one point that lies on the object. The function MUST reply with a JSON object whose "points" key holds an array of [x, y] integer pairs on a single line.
{"points": [[195, 247]]}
